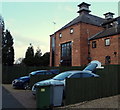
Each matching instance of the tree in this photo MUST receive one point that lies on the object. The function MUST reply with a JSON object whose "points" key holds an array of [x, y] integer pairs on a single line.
{"points": [[2, 27], [37, 57], [38, 53], [7, 49], [29, 56], [19, 61], [46, 59]]}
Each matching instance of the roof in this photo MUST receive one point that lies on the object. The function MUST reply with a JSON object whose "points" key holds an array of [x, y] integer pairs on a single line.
{"points": [[85, 18], [83, 3], [111, 20], [107, 32], [118, 19]]}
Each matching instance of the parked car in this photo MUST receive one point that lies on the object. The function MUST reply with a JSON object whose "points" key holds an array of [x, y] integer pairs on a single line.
{"points": [[87, 72], [45, 72], [23, 82], [62, 77]]}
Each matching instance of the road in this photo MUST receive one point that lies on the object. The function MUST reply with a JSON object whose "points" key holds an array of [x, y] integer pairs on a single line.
{"points": [[9, 101], [16, 98]]}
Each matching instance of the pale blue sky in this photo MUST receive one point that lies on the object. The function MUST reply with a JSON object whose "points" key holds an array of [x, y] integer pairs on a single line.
{"points": [[32, 22]]}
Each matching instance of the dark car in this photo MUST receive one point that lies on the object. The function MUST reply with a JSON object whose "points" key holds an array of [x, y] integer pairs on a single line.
{"points": [[23, 82], [44, 72]]}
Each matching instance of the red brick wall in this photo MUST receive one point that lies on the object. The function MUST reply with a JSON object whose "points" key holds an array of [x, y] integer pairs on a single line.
{"points": [[66, 37], [87, 31], [101, 51], [119, 49], [79, 40], [51, 50]]}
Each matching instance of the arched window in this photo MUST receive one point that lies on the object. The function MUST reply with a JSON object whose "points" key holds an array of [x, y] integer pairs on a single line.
{"points": [[107, 60]]}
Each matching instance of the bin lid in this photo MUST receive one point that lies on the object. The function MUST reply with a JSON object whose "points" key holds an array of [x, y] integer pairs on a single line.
{"points": [[50, 82]]}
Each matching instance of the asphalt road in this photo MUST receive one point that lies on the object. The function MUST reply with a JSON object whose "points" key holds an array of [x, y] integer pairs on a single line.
{"points": [[17, 99], [9, 101]]}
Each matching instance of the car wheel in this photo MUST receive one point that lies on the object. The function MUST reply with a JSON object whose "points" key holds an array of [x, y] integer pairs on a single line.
{"points": [[26, 86], [13, 87]]}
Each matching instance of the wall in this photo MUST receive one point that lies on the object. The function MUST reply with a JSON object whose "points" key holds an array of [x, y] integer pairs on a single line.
{"points": [[66, 37], [79, 40], [101, 51], [86, 31]]}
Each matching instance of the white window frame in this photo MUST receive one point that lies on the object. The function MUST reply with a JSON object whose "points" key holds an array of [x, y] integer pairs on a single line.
{"points": [[60, 35], [71, 30], [107, 42]]}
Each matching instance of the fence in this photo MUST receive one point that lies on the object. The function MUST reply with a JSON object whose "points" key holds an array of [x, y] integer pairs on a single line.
{"points": [[9, 73], [77, 90], [37, 78], [84, 89]]}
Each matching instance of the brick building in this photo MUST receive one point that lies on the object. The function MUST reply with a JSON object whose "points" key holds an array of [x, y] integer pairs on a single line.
{"points": [[85, 38]]}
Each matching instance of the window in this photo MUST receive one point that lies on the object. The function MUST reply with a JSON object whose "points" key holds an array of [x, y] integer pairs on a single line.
{"points": [[53, 43], [83, 75], [66, 52], [60, 35], [107, 42], [66, 49], [71, 30], [94, 44], [107, 60]]}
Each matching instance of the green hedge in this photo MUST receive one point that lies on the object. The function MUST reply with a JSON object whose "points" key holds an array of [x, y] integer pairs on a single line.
{"points": [[84, 89]]}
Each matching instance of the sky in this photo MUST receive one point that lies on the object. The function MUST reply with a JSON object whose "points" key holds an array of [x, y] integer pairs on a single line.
{"points": [[32, 22]]}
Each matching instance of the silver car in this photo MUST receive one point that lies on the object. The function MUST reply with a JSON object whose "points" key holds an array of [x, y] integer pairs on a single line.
{"points": [[60, 78]]}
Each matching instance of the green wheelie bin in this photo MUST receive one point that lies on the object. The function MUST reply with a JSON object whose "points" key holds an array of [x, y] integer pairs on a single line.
{"points": [[49, 95]]}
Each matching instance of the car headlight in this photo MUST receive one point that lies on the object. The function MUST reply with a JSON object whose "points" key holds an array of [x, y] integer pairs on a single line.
{"points": [[15, 81], [33, 88], [20, 81]]}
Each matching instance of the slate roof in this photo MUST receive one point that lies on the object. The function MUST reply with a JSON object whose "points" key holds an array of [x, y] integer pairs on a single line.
{"points": [[111, 20], [107, 32], [118, 19], [85, 18]]}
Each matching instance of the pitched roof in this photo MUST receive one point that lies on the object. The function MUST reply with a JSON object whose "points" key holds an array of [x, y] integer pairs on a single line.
{"points": [[107, 32], [85, 18]]}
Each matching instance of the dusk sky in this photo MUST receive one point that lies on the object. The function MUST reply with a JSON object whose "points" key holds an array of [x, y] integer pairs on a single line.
{"points": [[32, 22]]}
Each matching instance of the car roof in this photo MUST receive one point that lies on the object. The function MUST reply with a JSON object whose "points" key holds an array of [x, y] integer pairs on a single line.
{"points": [[39, 71], [73, 71], [78, 71]]}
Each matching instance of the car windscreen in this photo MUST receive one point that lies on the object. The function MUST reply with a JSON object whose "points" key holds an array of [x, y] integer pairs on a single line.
{"points": [[62, 76], [25, 77]]}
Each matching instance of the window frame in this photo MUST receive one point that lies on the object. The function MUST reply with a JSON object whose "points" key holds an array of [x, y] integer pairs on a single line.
{"points": [[60, 35], [71, 30], [107, 59], [105, 40], [94, 44], [66, 49]]}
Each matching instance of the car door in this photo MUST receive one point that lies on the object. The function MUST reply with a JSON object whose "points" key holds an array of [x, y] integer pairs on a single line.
{"points": [[76, 75]]}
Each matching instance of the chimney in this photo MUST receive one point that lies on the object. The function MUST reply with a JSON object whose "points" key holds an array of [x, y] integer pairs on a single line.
{"points": [[109, 15], [83, 8]]}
